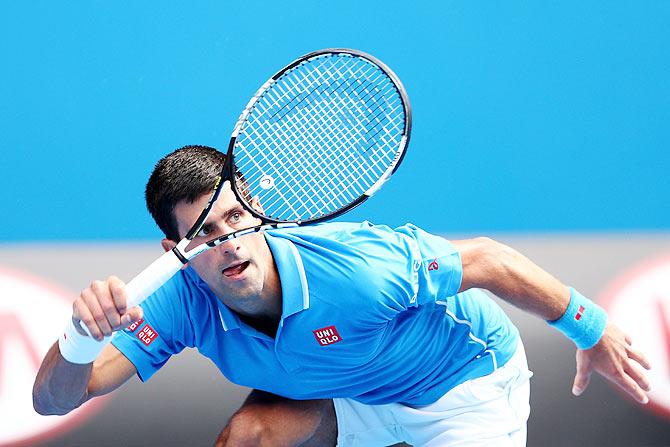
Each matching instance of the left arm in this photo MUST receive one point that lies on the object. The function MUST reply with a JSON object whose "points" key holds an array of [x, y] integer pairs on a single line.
{"points": [[493, 266]]}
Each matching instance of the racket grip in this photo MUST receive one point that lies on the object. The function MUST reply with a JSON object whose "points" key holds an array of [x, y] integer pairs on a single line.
{"points": [[152, 277]]}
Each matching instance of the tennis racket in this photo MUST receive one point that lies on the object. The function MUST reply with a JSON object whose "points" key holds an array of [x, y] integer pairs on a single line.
{"points": [[317, 139]]}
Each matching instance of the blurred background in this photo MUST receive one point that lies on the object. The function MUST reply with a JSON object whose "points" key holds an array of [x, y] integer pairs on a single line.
{"points": [[544, 125]]}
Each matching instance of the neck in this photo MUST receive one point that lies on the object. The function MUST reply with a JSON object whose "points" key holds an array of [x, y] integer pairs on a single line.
{"points": [[267, 321], [268, 312], [271, 296]]}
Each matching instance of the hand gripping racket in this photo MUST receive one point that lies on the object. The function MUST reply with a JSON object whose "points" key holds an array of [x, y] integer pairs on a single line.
{"points": [[317, 139]]}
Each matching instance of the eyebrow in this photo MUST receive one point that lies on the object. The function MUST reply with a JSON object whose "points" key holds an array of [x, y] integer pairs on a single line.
{"points": [[226, 214], [237, 207]]}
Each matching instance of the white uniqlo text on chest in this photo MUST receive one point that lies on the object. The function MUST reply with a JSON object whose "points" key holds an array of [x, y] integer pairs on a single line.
{"points": [[327, 336]]}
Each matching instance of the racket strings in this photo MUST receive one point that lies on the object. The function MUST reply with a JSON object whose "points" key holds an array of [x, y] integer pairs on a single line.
{"points": [[327, 202], [329, 124], [320, 137], [363, 98], [319, 189], [287, 164], [313, 78]]}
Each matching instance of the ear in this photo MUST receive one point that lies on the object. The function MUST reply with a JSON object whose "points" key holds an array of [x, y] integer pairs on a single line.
{"points": [[256, 204], [168, 245]]}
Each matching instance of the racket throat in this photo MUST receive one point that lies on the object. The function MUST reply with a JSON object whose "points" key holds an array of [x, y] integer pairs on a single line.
{"points": [[179, 255]]}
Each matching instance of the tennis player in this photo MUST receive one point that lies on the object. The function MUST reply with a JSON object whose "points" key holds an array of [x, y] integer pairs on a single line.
{"points": [[349, 333]]}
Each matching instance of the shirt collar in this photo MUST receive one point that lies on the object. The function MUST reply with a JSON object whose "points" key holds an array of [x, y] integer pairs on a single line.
{"points": [[295, 290], [294, 287]]}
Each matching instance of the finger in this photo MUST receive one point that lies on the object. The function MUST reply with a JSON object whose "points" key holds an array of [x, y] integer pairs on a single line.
{"points": [[583, 376], [109, 308], [638, 357], [628, 339], [638, 376], [581, 383], [118, 291], [106, 302], [132, 316], [628, 385], [92, 297], [81, 313]]}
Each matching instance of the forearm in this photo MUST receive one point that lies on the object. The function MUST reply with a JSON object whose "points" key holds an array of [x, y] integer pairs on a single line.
{"points": [[493, 266], [602, 347], [60, 386]]}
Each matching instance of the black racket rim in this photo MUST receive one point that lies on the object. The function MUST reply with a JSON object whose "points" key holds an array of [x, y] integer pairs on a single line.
{"points": [[228, 170]]}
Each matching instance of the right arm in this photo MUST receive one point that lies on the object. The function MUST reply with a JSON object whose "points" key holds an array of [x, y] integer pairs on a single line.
{"points": [[62, 386]]}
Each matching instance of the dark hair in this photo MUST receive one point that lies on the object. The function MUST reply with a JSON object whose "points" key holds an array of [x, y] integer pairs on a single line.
{"points": [[183, 175]]}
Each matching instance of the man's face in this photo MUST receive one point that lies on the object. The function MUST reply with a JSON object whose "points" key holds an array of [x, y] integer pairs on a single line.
{"points": [[240, 272]]}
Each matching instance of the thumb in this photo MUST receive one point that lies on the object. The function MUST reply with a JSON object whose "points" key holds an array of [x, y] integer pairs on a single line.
{"points": [[583, 375], [133, 315]]}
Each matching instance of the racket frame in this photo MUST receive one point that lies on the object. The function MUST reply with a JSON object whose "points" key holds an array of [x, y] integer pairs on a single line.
{"points": [[393, 166]]}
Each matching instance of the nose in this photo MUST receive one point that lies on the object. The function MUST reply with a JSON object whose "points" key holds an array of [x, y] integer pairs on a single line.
{"points": [[229, 247]]}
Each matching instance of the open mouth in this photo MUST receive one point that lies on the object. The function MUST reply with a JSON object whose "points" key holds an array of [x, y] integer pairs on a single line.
{"points": [[235, 270]]}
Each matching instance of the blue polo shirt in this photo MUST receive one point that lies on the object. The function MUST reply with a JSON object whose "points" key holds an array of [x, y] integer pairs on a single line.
{"points": [[369, 313]]}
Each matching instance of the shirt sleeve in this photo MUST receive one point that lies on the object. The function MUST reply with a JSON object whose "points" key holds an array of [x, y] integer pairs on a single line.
{"points": [[437, 262], [163, 331], [412, 268]]}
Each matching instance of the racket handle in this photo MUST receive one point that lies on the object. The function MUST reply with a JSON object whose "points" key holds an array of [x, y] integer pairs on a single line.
{"points": [[151, 278]]}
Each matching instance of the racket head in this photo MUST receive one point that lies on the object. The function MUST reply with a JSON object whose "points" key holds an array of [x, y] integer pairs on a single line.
{"points": [[319, 137]]}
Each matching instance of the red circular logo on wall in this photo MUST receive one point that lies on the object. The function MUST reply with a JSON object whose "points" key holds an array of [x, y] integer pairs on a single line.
{"points": [[639, 303], [33, 312]]}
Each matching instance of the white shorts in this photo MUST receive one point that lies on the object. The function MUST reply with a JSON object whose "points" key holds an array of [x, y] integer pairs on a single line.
{"points": [[486, 411]]}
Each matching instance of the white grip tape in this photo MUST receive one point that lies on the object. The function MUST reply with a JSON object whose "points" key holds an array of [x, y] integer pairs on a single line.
{"points": [[77, 348], [151, 278]]}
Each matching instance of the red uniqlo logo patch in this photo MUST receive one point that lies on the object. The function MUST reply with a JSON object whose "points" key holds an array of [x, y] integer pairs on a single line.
{"points": [[579, 313], [327, 336], [135, 325], [147, 335]]}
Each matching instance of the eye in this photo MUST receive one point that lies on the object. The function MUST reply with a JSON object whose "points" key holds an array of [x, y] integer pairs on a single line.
{"points": [[235, 217], [204, 231]]}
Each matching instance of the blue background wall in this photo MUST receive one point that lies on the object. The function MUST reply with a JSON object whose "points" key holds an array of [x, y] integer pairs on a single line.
{"points": [[528, 117]]}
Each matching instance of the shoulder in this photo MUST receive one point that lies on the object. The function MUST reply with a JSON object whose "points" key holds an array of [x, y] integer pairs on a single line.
{"points": [[362, 239], [348, 232], [361, 252], [321, 230]]}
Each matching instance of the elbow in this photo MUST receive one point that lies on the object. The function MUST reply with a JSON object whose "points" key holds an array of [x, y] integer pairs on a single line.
{"points": [[41, 407], [44, 404], [39, 404], [45, 409]]}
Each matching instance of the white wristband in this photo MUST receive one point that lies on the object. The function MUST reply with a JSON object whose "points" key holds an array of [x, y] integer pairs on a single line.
{"points": [[77, 348]]}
